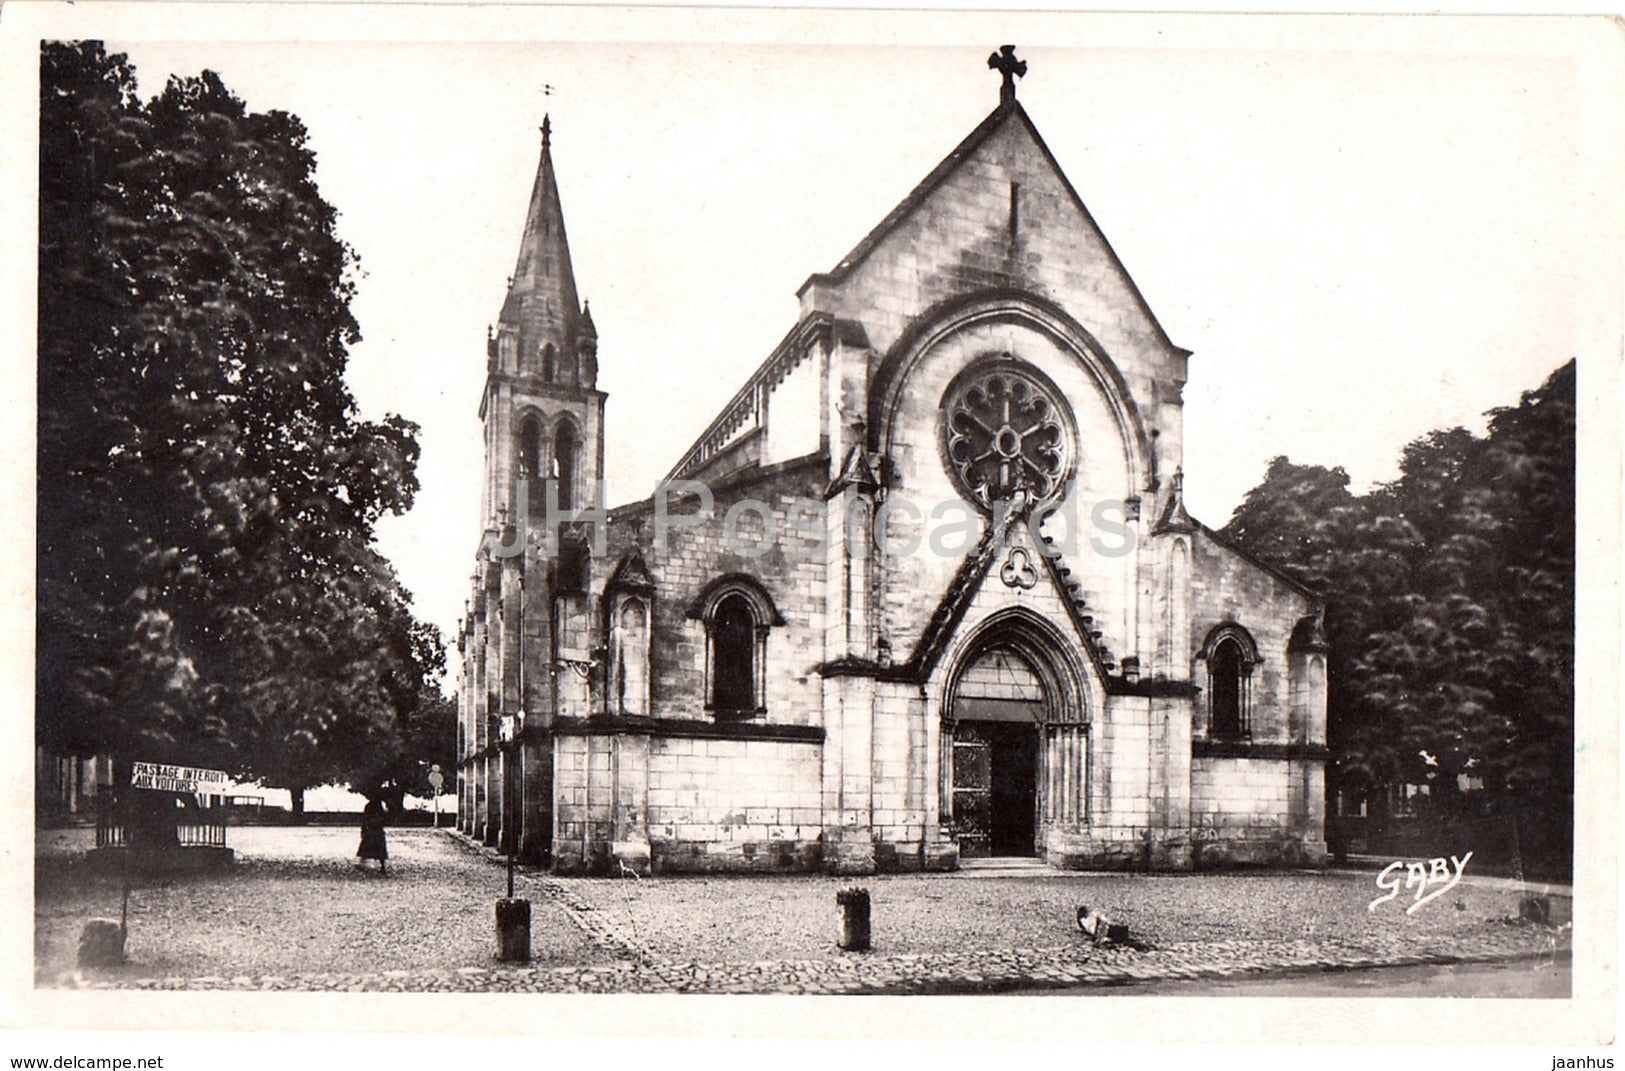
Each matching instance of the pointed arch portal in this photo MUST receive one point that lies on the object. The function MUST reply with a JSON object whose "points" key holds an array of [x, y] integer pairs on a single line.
{"points": [[1015, 739]]}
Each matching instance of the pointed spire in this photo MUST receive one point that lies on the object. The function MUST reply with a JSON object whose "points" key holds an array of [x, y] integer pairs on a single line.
{"points": [[541, 304], [1174, 518], [587, 347]]}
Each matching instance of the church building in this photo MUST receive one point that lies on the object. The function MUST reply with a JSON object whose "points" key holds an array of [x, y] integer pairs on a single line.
{"points": [[924, 591]]}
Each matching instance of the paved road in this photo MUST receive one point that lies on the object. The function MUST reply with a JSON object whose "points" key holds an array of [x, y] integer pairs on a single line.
{"points": [[1522, 979]]}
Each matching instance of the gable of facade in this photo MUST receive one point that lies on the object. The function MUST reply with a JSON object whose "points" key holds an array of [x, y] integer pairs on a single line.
{"points": [[945, 601]]}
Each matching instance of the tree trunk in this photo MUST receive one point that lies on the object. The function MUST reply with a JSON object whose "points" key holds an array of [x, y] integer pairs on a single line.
{"points": [[298, 795], [395, 802]]}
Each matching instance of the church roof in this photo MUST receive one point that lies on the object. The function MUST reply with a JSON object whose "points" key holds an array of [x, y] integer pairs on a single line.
{"points": [[1008, 111], [1256, 562], [542, 301], [1175, 518]]}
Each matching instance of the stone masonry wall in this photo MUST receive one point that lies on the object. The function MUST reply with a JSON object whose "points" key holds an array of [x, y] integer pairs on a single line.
{"points": [[1227, 587], [1241, 812], [958, 241], [702, 804], [695, 556], [1263, 808], [734, 805], [914, 582], [898, 787], [1237, 796]]}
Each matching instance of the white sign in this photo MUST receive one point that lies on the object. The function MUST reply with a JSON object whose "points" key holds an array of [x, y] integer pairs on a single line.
{"points": [[164, 778]]}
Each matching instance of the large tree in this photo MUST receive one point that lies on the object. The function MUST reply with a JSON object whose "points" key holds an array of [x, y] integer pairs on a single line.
{"points": [[1450, 610], [209, 591]]}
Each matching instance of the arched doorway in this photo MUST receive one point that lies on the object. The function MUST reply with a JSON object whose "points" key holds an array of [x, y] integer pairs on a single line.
{"points": [[999, 706], [1014, 736]]}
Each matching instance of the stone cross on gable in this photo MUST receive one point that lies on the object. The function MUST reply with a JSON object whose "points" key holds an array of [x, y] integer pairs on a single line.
{"points": [[1004, 61]]}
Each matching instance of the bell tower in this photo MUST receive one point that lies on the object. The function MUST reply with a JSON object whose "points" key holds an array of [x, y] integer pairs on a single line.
{"points": [[542, 409], [543, 418]]}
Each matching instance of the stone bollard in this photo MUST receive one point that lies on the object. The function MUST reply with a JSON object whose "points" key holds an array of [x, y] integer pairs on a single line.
{"points": [[513, 931], [101, 943], [854, 905]]}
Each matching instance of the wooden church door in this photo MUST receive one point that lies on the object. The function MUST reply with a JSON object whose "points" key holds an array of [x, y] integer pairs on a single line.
{"points": [[973, 791], [995, 779]]}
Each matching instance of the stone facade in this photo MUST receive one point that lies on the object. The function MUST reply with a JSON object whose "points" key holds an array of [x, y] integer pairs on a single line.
{"points": [[945, 602]]}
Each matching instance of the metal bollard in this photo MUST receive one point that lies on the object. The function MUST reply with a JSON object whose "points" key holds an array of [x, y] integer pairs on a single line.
{"points": [[854, 905], [513, 931]]}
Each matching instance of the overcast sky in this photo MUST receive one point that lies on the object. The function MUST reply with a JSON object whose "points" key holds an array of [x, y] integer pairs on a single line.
{"points": [[1361, 238]]}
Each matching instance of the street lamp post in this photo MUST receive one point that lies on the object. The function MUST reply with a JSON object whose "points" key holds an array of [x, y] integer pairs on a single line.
{"points": [[515, 821], [513, 915], [511, 726]]}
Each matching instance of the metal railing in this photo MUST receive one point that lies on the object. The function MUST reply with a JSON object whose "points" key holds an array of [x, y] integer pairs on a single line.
{"points": [[199, 826], [110, 832]]}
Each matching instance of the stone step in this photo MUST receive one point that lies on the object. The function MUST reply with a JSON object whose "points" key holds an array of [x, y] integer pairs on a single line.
{"points": [[1005, 866]]}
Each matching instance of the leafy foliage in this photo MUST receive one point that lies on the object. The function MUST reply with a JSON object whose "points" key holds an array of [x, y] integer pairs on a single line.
{"points": [[209, 591], [1450, 608]]}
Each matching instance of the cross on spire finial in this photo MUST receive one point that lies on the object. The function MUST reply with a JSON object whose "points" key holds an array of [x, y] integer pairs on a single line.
{"points": [[547, 130], [1004, 61]]}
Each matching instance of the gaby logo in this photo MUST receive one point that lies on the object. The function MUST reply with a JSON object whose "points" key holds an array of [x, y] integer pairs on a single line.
{"points": [[1434, 874]]}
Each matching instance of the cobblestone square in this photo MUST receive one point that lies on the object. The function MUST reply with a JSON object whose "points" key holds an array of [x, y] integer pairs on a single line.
{"points": [[295, 903], [295, 913]]}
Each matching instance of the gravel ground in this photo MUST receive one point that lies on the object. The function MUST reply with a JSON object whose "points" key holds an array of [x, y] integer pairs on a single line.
{"points": [[748, 919], [295, 902]]}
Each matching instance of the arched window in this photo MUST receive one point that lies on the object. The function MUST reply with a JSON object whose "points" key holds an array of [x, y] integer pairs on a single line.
{"points": [[737, 615], [565, 448], [1229, 675], [1230, 654], [733, 657], [530, 449], [549, 360]]}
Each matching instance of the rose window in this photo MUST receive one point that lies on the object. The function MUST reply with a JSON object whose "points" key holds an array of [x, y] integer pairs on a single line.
{"points": [[1006, 434]]}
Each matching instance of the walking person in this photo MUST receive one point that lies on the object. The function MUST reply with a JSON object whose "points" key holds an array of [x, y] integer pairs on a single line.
{"points": [[373, 845]]}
